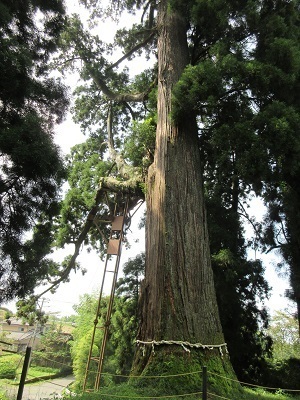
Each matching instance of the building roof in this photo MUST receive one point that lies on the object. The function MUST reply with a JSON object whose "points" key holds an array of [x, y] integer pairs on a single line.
{"points": [[16, 321]]}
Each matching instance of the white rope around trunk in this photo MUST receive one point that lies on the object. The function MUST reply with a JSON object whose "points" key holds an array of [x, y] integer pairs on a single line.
{"points": [[184, 345]]}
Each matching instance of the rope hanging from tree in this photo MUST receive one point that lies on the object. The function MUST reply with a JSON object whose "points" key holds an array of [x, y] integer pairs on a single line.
{"points": [[184, 345]]}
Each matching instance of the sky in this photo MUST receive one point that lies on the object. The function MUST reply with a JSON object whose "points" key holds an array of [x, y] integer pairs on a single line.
{"points": [[61, 303]]}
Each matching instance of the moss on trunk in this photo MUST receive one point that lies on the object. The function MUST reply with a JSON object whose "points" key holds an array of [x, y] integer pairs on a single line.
{"points": [[171, 370]]}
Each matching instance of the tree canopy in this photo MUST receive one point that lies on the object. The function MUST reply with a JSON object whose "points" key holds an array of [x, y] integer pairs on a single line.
{"points": [[32, 168]]}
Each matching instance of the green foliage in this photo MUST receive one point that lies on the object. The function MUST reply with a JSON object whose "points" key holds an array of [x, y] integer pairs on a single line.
{"points": [[283, 374], [8, 366], [8, 314], [123, 334], [54, 349], [3, 395], [139, 146], [86, 167], [119, 351], [82, 337], [80, 356], [29, 311], [7, 371], [133, 270], [239, 284], [32, 169], [284, 331]]}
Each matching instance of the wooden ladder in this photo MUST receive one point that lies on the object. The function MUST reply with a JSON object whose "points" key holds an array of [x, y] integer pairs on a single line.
{"points": [[112, 263]]}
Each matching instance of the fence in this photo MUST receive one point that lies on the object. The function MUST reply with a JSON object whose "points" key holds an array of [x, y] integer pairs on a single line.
{"points": [[203, 374], [204, 392]]}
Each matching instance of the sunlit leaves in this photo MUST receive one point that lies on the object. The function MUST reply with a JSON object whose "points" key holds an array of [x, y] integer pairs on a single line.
{"points": [[120, 347], [139, 146], [284, 331]]}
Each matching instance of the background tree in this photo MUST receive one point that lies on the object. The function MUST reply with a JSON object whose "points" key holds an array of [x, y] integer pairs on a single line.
{"points": [[278, 122], [86, 311], [129, 284], [125, 317], [123, 328], [31, 103], [284, 332], [239, 281], [285, 363], [54, 349]]}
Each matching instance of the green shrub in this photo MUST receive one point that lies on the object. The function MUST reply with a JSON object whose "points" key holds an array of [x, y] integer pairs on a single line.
{"points": [[7, 370], [285, 374]]}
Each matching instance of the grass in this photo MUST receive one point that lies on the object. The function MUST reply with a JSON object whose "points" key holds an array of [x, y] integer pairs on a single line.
{"points": [[262, 394], [125, 391], [35, 371], [16, 361]]}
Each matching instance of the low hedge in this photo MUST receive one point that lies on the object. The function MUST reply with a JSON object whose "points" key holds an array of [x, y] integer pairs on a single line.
{"points": [[7, 370]]}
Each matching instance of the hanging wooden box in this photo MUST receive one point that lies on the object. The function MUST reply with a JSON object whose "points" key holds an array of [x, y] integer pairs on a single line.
{"points": [[113, 246], [117, 223]]}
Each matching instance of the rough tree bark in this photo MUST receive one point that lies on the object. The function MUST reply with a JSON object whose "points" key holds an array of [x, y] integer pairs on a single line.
{"points": [[178, 301]]}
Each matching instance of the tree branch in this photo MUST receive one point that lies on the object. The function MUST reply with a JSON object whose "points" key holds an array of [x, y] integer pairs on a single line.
{"points": [[254, 225], [275, 247], [133, 50], [118, 97], [130, 187]]}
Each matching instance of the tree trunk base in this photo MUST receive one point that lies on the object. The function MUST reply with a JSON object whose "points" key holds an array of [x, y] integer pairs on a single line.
{"points": [[170, 370]]}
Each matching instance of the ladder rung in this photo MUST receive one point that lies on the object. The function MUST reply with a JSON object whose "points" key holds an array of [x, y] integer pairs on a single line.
{"points": [[113, 249]]}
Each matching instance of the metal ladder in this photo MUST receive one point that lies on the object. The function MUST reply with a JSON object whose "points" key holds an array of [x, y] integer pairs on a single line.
{"points": [[113, 256]]}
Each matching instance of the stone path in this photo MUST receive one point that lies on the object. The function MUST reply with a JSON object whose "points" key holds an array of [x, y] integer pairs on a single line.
{"points": [[41, 391]]}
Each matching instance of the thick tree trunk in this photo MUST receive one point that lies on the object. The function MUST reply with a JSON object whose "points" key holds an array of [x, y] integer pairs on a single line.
{"points": [[178, 301], [179, 293]]}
